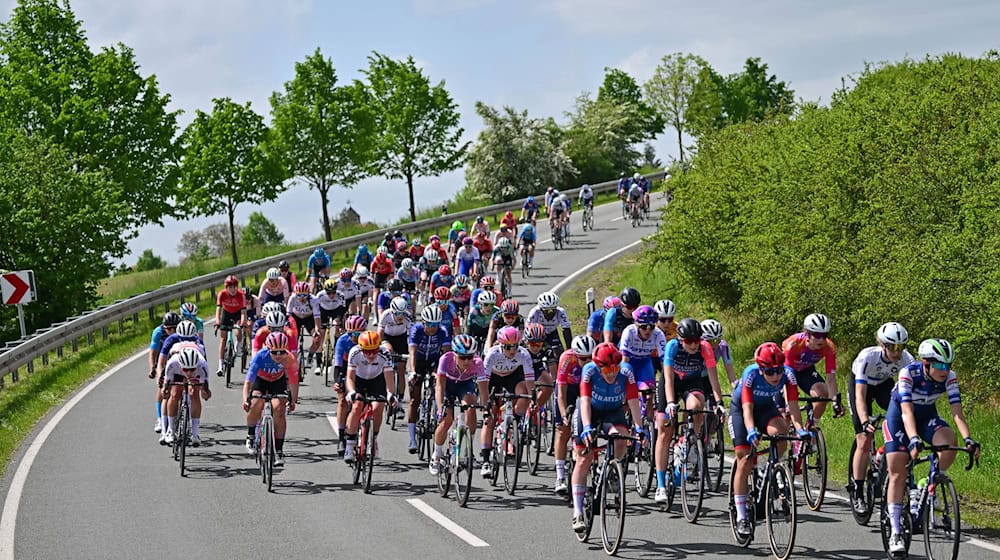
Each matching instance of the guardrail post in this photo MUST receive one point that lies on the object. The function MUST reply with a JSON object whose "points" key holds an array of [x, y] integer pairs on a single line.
{"points": [[121, 326], [197, 296], [31, 366], [45, 358], [1, 381], [59, 351], [74, 345], [14, 375], [212, 292], [256, 278], [104, 332], [90, 338], [151, 311], [166, 307], [135, 317]]}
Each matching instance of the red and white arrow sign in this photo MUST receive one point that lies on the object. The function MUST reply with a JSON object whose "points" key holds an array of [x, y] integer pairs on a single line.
{"points": [[17, 287]]}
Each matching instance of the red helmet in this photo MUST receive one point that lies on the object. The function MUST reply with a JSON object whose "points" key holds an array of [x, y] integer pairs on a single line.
{"points": [[509, 214], [232, 280], [509, 307], [346, 273], [444, 270], [769, 355], [488, 281], [533, 332], [607, 354], [401, 245], [442, 293]]}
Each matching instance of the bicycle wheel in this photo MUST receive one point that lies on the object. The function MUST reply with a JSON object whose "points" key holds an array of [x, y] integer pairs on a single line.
{"points": [[463, 464], [590, 503], [643, 472], [369, 462], [269, 456], [496, 457], [181, 437], [612, 506], [228, 359], [444, 474], [533, 445], [244, 352], [359, 453], [511, 457], [716, 458], [693, 479], [780, 511], [942, 524], [327, 357], [814, 470], [885, 525], [524, 264]]}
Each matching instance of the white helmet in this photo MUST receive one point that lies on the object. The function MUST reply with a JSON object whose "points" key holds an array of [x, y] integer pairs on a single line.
{"points": [[431, 314], [817, 323], [382, 250], [189, 358], [548, 300], [187, 329], [432, 256], [407, 263], [665, 308], [583, 345], [270, 307], [711, 329], [273, 273], [892, 333], [637, 175], [275, 320], [362, 272], [936, 350], [503, 242], [487, 298], [398, 305]]}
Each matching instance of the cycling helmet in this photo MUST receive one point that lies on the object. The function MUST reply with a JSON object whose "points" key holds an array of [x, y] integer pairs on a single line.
{"points": [[330, 285], [488, 281], [318, 252], [711, 329], [434, 239], [273, 273], [936, 350], [555, 192], [607, 354], [187, 329], [397, 233], [442, 293], [689, 329], [479, 219], [892, 333], [444, 270], [432, 257], [248, 293], [362, 272], [463, 344], [630, 297], [171, 319], [189, 309], [283, 265], [508, 335], [583, 345], [270, 307], [189, 358], [232, 281], [382, 250], [431, 314], [548, 190], [817, 323], [457, 224], [356, 323], [486, 298], [407, 263], [276, 341], [533, 332], [301, 288], [531, 200], [387, 236], [467, 241], [645, 315], [509, 307], [416, 241], [636, 176], [399, 305], [401, 245], [369, 340], [461, 280], [769, 355], [346, 273], [395, 285], [548, 300], [665, 309], [275, 320], [503, 243], [363, 249], [508, 214], [612, 301]]}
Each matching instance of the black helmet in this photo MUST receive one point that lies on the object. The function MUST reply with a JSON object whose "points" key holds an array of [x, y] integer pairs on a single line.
{"points": [[397, 233], [283, 264], [171, 319], [689, 329], [395, 285], [387, 235], [630, 297]]}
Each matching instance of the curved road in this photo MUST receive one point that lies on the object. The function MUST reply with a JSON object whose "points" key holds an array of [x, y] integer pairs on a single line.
{"points": [[101, 487]]}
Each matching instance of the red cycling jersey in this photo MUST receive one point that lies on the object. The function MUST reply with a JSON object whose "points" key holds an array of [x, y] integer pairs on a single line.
{"points": [[800, 357], [231, 303]]}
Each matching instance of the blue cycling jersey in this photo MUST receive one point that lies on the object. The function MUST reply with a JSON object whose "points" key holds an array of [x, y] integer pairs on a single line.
{"points": [[318, 263], [916, 386], [604, 396], [527, 233], [175, 338], [595, 324], [615, 320], [754, 387], [156, 341], [363, 259], [342, 349], [429, 346]]}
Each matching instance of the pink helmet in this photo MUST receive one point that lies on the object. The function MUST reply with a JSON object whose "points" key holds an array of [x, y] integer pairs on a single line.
{"points": [[509, 335], [612, 301], [356, 323]]}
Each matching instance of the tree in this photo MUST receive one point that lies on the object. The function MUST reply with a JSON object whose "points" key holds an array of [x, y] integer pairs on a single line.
{"points": [[192, 246], [649, 158], [750, 95], [149, 261], [705, 112], [97, 106], [219, 239], [619, 88], [670, 89], [261, 231], [228, 162], [326, 133], [597, 139], [514, 155], [418, 124]]}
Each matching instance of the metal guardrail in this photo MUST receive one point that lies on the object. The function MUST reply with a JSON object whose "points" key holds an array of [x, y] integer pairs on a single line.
{"points": [[54, 338]]}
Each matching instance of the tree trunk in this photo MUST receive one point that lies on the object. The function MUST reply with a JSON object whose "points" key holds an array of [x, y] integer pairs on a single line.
{"points": [[324, 190], [680, 143], [232, 232], [409, 184]]}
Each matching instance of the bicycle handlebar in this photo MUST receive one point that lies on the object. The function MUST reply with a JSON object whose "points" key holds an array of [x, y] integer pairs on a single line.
{"points": [[269, 397], [935, 449]]}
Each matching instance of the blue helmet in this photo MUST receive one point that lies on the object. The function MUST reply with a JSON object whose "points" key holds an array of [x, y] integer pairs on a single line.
{"points": [[362, 248], [531, 200], [319, 252], [463, 344]]}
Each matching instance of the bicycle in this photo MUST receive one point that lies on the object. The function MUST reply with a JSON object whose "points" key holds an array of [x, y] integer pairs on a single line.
{"points": [[392, 412], [771, 494], [327, 352], [303, 353], [505, 290], [715, 452], [426, 417], [874, 477], [557, 237], [635, 214], [536, 430], [508, 446], [525, 271], [606, 494], [264, 440], [642, 454], [588, 218], [458, 462], [690, 466], [811, 459], [183, 427], [364, 451], [244, 352], [929, 506]]}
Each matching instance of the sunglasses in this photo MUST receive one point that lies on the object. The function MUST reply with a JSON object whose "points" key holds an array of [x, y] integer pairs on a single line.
{"points": [[690, 340], [817, 335], [509, 346], [369, 353], [607, 370], [895, 347], [355, 334], [431, 325], [187, 369], [664, 319], [940, 366], [166, 328], [398, 313], [510, 316], [465, 356], [772, 371], [645, 327], [278, 352], [536, 344], [583, 359]]}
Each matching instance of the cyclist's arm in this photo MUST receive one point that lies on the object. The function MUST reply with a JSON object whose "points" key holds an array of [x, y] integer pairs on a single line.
{"points": [[860, 402], [411, 363], [439, 390], [351, 373]]}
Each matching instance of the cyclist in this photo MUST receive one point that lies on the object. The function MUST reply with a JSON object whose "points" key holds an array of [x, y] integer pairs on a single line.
{"points": [[304, 313], [382, 268], [416, 249], [483, 244], [461, 295], [912, 419], [711, 331], [331, 312], [186, 336], [556, 210], [453, 242], [166, 328], [643, 347], [286, 273], [553, 318], [428, 265], [527, 238], [389, 243], [550, 193], [478, 322], [568, 375], [567, 203], [394, 289], [457, 371], [189, 312], [319, 267], [230, 311], [503, 232], [506, 367], [188, 363], [506, 316], [543, 358], [402, 252], [253, 310], [635, 197], [435, 246], [348, 292], [617, 318], [645, 186], [467, 259], [276, 321], [394, 324], [269, 307], [398, 237], [442, 278], [623, 183], [874, 372], [666, 310], [685, 357], [369, 373], [364, 286], [595, 323], [272, 371], [355, 325], [587, 197], [529, 210], [362, 258], [449, 314], [428, 340], [503, 258], [486, 284], [480, 226], [408, 274], [606, 386], [753, 410], [803, 351]]}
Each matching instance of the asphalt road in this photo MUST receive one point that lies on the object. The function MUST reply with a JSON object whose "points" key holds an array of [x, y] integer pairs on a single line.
{"points": [[101, 486]]}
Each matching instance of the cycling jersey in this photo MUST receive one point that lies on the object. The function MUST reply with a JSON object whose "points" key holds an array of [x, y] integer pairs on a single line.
{"points": [[586, 194], [290, 330], [449, 315], [754, 387], [385, 299], [505, 254], [416, 251], [530, 207], [595, 323], [267, 368], [391, 327], [567, 203], [289, 278], [346, 289], [484, 246], [800, 357], [303, 305], [915, 386], [478, 323], [671, 330], [604, 396], [273, 290], [570, 369], [342, 349], [156, 340], [437, 280], [686, 365], [635, 192], [542, 360], [318, 263], [453, 235], [527, 234], [497, 363], [448, 368], [551, 324], [173, 370], [363, 259], [480, 227], [615, 320], [509, 221], [328, 302], [633, 346], [408, 276], [498, 323], [461, 296], [382, 265], [364, 285], [466, 258], [871, 367], [369, 368], [231, 303], [721, 353], [429, 347], [557, 205], [173, 343]]}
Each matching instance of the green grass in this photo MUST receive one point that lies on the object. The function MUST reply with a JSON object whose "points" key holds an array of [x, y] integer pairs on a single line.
{"points": [[978, 489]]}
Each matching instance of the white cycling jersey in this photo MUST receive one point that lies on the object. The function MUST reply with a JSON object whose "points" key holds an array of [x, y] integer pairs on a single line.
{"points": [[871, 368], [558, 204], [303, 305], [497, 363], [173, 368], [567, 203], [559, 319], [632, 346], [586, 193], [328, 302], [347, 290], [389, 325], [468, 254], [364, 368], [363, 286]]}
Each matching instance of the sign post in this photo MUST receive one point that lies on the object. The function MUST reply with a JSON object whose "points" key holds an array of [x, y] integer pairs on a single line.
{"points": [[18, 288], [591, 304]]}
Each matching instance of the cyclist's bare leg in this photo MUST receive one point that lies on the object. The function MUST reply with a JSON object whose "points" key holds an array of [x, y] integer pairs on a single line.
{"points": [[545, 392], [415, 390], [278, 412], [665, 433], [696, 401]]}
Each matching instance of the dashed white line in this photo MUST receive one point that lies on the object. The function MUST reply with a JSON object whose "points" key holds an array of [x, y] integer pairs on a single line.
{"points": [[448, 524]]}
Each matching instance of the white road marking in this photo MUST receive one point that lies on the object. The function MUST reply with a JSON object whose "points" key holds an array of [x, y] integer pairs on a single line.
{"points": [[448, 524], [984, 544]]}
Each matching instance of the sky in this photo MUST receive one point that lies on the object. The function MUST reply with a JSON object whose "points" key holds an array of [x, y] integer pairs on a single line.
{"points": [[532, 55]]}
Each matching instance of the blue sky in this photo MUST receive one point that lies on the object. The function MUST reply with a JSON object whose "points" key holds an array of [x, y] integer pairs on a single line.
{"points": [[535, 55]]}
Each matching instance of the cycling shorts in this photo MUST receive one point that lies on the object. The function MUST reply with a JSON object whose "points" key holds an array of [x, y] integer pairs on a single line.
{"points": [[682, 388], [304, 324], [374, 387], [807, 378], [763, 415], [928, 424], [572, 393], [398, 343], [276, 387], [280, 298], [327, 315], [881, 393], [380, 280], [501, 383], [601, 420], [229, 319], [556, 214], [455, 390], [645, 371]]}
